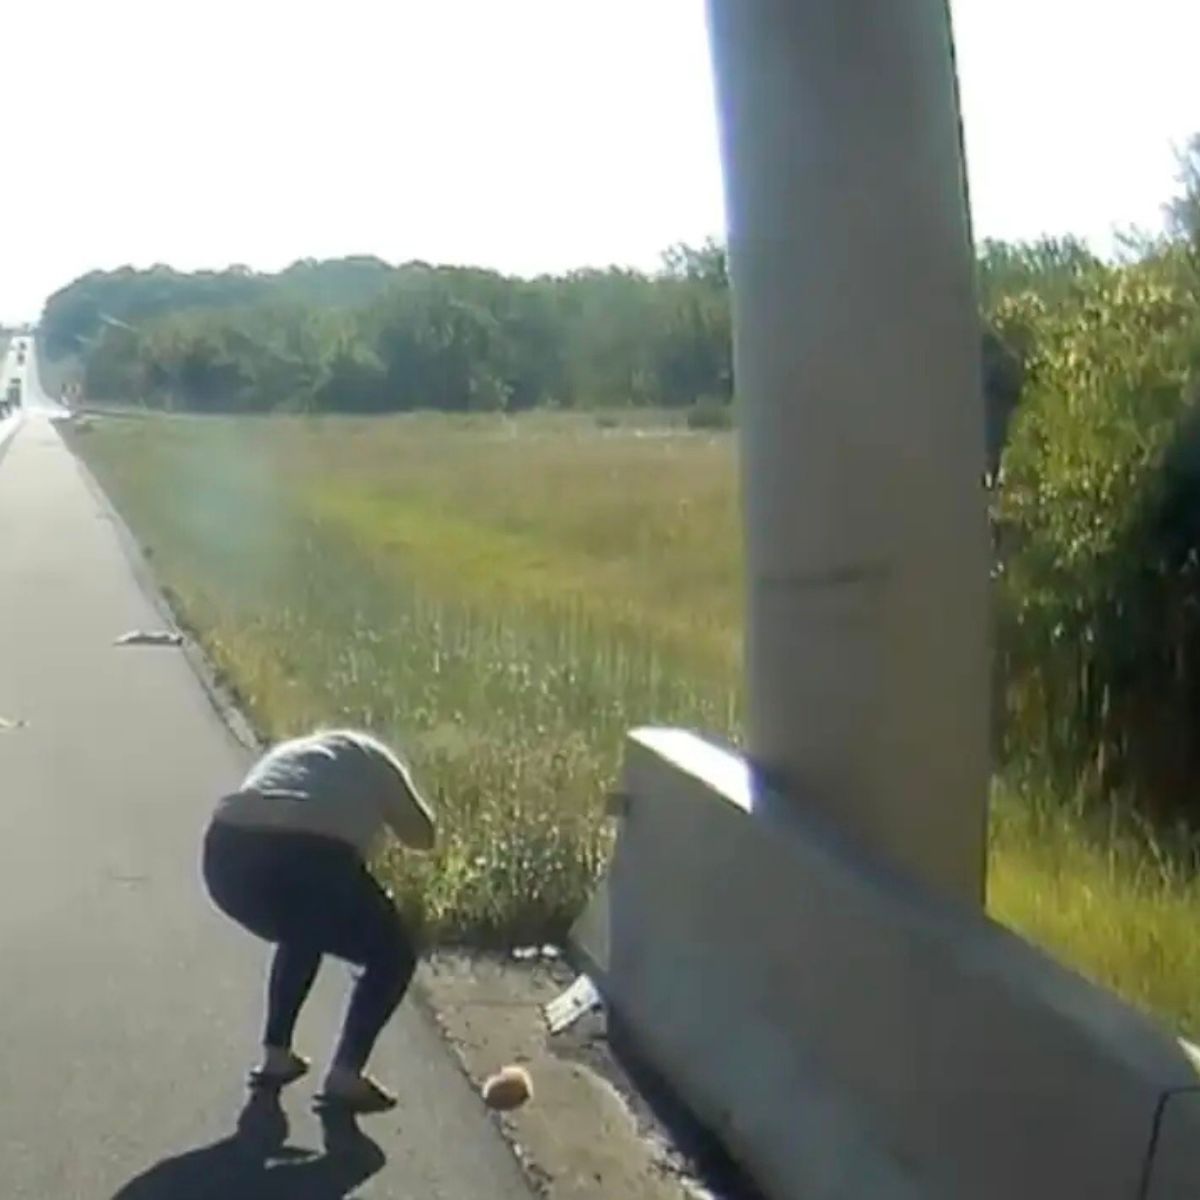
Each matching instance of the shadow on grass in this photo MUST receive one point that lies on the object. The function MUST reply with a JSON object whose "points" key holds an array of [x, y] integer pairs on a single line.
{"points": [[255, 1162]]}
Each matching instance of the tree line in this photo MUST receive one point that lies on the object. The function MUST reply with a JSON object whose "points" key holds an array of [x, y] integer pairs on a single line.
{"points": [[358, 335]]}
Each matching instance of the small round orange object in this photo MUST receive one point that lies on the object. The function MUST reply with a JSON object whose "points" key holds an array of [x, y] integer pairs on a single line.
{"points": [[509, 1088]]}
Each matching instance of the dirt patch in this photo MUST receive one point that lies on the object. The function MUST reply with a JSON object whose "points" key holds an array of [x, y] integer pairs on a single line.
{"points": [[597, 1128]]}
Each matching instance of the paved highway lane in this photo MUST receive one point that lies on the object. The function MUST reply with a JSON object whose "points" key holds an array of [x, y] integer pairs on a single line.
{"points": [[128, 1008], [37, 399]]}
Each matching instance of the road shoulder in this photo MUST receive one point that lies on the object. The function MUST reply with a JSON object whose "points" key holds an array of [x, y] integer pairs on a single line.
{"points": [[591, 1132]]}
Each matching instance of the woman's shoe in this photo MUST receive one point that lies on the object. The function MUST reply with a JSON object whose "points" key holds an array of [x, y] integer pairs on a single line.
{"points": [[354, 1093], [279, 1067]]}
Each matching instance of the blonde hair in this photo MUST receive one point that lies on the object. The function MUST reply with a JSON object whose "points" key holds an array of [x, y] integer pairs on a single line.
{"points": [[379, 752]]}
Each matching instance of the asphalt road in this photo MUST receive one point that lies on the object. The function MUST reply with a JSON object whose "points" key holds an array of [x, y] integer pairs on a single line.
{"points": [[129, 1009]]}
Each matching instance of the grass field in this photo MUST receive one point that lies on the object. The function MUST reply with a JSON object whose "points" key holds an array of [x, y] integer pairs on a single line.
{"points": [[505, 599]]}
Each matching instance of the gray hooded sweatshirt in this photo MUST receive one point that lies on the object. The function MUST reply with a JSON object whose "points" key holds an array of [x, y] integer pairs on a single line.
{"points": [[340, 784]]}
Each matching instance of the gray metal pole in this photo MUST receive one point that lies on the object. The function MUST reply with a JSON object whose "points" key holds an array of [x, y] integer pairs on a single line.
{"points": [[857, 357]]}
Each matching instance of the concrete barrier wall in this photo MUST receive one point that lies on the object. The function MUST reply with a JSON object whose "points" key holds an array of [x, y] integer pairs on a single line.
{"points": [[849, 1036]]}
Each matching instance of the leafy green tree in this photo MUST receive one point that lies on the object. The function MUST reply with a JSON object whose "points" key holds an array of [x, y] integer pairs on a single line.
{"points": [[706, 264], [1092, 599], [1048, 267]]}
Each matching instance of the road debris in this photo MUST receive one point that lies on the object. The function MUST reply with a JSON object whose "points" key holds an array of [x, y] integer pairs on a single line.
{"points": [[545, 953], [565, 1009], [146, 637], [509, 1088]]}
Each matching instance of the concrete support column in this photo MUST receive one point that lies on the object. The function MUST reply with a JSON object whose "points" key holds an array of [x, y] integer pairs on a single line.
{"points": [[857, 356]]}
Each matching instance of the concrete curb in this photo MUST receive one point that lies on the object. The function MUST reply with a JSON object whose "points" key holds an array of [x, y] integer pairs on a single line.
{"points": [[888, 1041]]}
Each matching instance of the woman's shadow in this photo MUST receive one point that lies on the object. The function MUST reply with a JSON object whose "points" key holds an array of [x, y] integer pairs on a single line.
{"points": [[255, 1162]]}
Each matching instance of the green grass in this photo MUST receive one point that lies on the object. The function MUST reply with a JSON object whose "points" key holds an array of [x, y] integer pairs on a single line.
{"points": [[1102, 895], [505, 599]]}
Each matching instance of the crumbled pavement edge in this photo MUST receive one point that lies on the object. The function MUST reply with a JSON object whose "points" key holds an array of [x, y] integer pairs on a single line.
{"points": [[589, 1132]]}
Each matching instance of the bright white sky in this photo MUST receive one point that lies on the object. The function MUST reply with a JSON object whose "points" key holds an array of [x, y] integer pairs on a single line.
{"points": [[527, 135]]}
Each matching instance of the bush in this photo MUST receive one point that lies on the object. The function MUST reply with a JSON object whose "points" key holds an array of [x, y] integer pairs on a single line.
{"points": [[1097, 544]]}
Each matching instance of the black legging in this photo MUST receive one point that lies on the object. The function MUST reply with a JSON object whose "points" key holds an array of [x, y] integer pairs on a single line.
{"points": [[312, 896]]}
